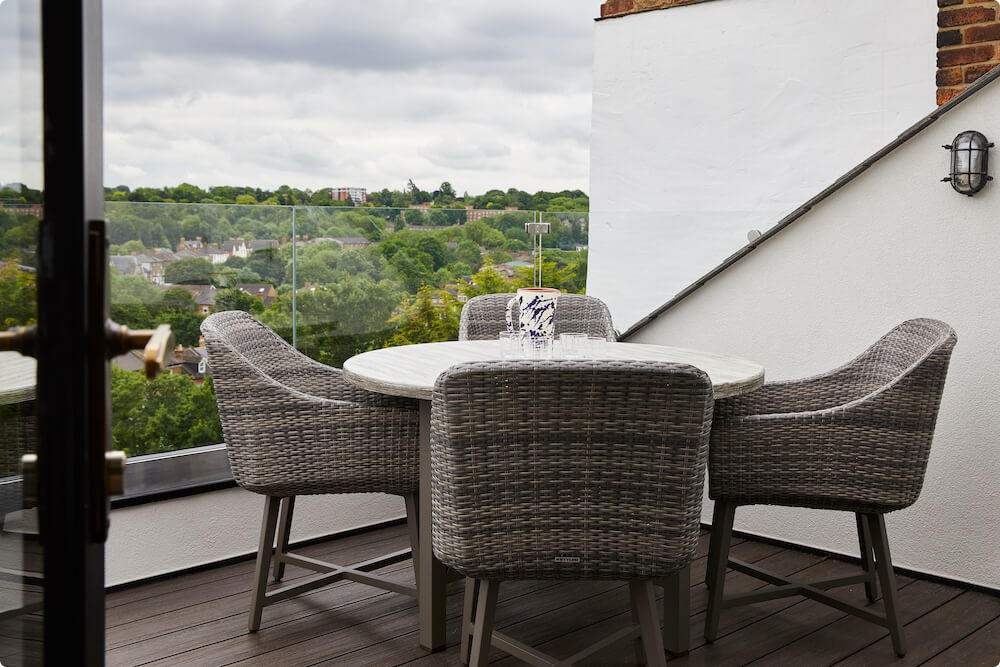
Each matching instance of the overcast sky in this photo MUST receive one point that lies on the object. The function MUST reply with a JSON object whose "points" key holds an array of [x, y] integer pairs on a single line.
{"points": [[359, 93]]}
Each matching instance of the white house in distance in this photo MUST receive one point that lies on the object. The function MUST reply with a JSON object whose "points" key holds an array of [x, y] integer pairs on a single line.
{"points": [[819, 125]]}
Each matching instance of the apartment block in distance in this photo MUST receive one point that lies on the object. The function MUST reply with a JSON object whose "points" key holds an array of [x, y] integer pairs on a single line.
{"points": [[357, 195]]}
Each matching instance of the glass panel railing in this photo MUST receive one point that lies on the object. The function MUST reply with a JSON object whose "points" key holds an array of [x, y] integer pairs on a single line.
{"points": [[333, 281]]}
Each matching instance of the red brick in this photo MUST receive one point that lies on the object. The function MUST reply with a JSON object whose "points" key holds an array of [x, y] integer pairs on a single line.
{"points": [[965, 16], [982, 33], [973, 72], [965, 55], [945, 94], [612, 7], [949, 77], [949, 38]]}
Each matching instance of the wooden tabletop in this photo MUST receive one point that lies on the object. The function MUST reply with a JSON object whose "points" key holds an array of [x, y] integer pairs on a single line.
{"points": [[411, 370]]}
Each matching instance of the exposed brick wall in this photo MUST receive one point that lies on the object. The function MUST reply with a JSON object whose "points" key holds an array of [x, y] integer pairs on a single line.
{"points": [[968, 43], [612, 8]]}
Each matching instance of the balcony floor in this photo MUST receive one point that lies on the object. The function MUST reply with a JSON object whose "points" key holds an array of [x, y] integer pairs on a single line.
{"points": [[201, 618]]}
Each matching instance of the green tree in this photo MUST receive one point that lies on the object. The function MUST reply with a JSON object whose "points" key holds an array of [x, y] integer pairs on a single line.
{"points": [[177, 300], [498, 256], [185, 325], [167, 413], [423, 321], [17, 295], [435, 248], [470, 253], [236, 299], [486, 281], [192, 271]]}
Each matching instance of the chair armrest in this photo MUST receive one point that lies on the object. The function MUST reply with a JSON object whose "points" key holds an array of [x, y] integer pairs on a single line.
{"points": [[312, 378], [282, 441]]}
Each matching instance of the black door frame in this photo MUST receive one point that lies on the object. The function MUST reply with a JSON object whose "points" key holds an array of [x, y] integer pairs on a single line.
{"points": [[70, 472]]}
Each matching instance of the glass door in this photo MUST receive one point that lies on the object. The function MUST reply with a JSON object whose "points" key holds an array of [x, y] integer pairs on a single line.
{"points": [[55, 338], [21, 184]]}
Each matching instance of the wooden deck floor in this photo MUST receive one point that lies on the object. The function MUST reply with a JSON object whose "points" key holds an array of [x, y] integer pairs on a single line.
{"points": [[201, 618]]}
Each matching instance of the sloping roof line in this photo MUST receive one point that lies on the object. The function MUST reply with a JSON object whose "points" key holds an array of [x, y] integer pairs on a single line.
{"points": [[905, 136]]}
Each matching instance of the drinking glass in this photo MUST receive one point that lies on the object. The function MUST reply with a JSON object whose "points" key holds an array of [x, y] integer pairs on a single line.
{"points": [[510, 345], [574, 345], [537, 347], [595, 346]]}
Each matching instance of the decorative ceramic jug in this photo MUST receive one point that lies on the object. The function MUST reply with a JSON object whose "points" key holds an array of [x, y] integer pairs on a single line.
{"points": [[536, 311]]}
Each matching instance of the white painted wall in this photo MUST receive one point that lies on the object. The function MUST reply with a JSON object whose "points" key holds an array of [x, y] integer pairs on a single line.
{"points": [[715, 118], [162, 537], [893, 244]]}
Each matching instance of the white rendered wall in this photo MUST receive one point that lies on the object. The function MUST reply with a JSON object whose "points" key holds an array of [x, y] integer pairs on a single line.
{"points": [[893, 244], [162, 537], [715, 118]]}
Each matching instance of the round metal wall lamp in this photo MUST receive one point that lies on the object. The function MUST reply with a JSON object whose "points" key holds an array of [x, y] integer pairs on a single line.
{"points": [[970, 153]]}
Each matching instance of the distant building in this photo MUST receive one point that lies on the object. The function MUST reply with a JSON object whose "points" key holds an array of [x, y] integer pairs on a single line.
{"points": [[357, 195], [263, 291], [203, 295], [480, 213], [261, 244], [36, 210], [236, 248]]}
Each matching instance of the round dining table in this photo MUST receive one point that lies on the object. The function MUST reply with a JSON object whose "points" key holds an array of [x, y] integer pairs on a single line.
{"points": [[412, 370]]}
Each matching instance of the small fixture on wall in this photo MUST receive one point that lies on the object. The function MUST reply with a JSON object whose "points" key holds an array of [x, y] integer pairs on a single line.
{"points": [[970, 152]]}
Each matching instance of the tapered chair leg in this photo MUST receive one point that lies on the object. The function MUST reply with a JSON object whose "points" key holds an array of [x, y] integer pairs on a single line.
{"points": [[644, 605], [867, 560], [468, 617], [713, 543], [677, 611], [640, 651], [883, 562], [264, 548], [412, 525], [284, 530], [724, 525], [482, 634]]}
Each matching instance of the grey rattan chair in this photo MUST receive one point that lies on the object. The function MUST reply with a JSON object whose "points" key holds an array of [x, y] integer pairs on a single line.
{"points": [[294, 426], [485, 316], [855, 439], [570, 470]]}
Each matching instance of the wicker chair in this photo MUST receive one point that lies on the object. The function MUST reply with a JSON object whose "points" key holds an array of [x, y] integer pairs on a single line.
{"points": [[855, 439], [570, 470], [485, 316], [294, 426]]}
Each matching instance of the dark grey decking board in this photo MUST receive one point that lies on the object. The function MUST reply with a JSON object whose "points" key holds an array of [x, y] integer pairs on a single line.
{"points": [[200, 618]]}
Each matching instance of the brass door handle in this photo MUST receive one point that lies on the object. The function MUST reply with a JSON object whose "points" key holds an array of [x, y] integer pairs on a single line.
{"points": [[157, 344], [29, 475], [20, 340], [114, 475]]}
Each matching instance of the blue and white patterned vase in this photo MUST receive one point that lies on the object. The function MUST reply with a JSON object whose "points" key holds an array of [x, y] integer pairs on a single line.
{"points": [[536, 311]]}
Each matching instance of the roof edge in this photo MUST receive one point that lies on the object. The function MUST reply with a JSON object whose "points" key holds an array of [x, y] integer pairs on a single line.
{"points": [[616, 9], [903, 137]]}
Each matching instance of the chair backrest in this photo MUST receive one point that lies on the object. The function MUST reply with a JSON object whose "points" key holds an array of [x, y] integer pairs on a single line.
{"points": [[568, 469], [485, 316]]}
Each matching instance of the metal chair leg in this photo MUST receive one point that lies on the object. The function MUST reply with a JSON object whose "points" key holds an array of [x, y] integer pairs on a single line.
{"points": [[677, 611], [284, 530], [713, 543], [867, 559], [724, 525], [644, 604], [883, 562], [264, 548], [482, 636], [468, 617], [413, 526]]}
